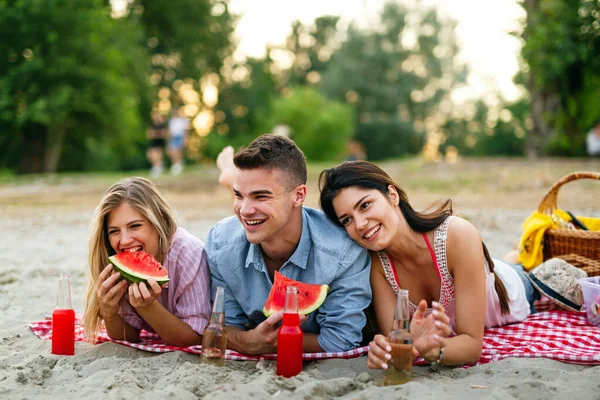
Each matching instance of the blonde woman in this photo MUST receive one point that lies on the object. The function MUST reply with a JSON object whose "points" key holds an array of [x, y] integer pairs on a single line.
{"points": [[134, 216]]}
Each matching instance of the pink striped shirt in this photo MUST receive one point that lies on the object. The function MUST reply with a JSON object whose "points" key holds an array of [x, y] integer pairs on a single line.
{"points": [[187, 295]]}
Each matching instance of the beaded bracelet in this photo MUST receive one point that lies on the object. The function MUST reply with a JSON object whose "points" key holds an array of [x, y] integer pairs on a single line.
{"points": [[440, 359]]}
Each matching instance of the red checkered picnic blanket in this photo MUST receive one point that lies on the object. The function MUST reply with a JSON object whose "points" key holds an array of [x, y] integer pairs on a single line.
{"points": [[559, 335], [151, 342]]}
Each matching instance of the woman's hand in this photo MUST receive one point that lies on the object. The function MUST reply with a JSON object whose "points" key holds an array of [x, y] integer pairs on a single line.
{"points": [[429, 332], [142, 295], [110, 290], [379, 353]]}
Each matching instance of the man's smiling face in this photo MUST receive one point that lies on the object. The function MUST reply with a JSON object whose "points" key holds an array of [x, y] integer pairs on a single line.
{"points": [[263, 203]]}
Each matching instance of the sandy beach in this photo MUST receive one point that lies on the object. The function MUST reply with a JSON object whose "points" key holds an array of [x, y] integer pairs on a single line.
{"points": [[45, 227]]}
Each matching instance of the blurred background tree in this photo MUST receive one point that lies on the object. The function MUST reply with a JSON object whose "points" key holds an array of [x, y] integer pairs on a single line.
{"points": [[78, 81], [80, 77], [319, 126], [561, 46], [246, 94], [69, 76], [398, 76]]}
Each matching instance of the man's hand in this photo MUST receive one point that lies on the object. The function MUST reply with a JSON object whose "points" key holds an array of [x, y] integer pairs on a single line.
{"points": [[262, 339]]}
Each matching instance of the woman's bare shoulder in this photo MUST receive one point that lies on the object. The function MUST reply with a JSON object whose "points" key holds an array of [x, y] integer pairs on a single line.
{"points": [[463, 243], [461, 229], [375, 261]]}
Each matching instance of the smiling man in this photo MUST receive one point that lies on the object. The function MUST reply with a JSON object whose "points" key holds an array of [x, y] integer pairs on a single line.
{"points": [[273, 231]]}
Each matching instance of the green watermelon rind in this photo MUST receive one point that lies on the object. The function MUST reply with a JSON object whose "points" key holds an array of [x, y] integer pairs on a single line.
{"points": [[305, 311], [131, 276]]}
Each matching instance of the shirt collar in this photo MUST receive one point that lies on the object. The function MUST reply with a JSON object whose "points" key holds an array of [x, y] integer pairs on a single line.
{"points": [[299, 258]]}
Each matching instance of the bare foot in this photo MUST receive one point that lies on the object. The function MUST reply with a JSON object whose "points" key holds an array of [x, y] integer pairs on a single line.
{"points": [[226, 166], [511, 257]]}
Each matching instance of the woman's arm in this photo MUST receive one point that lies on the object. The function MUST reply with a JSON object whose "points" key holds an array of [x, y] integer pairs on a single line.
{"points": [[110, 289], [171, 329], [384, 297], [432, 329], [117, 329], [384, 302], [466, 264]]}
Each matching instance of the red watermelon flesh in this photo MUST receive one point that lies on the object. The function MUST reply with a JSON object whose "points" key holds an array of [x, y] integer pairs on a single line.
{"points": [[310, 296], [138, 266]]}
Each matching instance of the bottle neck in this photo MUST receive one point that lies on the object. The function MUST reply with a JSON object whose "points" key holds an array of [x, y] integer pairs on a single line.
{"points": [[63, 299], [291, 319], [217, 318], [401, 325], [219, 302]]}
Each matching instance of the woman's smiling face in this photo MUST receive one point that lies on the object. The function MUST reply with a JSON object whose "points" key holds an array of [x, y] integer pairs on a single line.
{"points": [[130, 230], [369, 216]]}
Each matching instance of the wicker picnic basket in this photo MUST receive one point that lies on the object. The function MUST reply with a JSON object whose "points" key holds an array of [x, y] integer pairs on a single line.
{"points": [[580, 248]]}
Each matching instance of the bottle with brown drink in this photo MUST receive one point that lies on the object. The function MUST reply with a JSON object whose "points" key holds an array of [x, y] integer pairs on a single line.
{"points": [[400, 365], [214, 340]]}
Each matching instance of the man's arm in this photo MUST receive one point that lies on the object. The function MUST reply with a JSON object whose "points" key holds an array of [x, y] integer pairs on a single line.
{"points": [[234, 314], [341, 316], [260, 340], [311, 343]]}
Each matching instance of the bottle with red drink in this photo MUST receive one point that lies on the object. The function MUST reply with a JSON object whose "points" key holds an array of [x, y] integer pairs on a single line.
{"points": [[290, 337], [63, 320]]}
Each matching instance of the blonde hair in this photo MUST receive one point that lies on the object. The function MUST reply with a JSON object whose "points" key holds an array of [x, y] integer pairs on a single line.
{"points": [[144, 197]]}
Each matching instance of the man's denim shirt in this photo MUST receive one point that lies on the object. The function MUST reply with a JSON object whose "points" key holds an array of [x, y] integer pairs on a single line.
{"points": [[325, 255]]}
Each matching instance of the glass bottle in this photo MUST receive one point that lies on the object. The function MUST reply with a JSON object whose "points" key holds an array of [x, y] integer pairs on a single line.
{"points": [[214, 339], [400, 365], [63, 320], [290, 337]]}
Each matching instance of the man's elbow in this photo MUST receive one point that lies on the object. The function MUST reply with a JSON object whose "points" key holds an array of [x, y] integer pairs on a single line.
{"points": [[337, 346]]}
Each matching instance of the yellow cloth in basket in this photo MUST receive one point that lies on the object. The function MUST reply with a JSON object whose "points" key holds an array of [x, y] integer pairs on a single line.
{"points": [[593, 224], [531, 243]]}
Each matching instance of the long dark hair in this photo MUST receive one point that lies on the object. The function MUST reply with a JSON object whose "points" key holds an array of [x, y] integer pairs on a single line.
{"points": [[366, 175]]}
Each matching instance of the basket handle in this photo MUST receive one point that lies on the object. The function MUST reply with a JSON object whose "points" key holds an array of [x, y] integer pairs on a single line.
{"points": [[548, 203]]}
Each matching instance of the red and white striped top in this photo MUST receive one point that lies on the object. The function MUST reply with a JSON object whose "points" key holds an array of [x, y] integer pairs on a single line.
{"points": [[187, 295]]}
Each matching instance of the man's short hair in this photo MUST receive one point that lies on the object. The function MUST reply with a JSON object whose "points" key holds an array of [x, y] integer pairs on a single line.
{"points": [[274, 152]]}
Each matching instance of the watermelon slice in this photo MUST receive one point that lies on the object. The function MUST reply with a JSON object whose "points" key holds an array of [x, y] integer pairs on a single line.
{"points": [[138, 266], [310, 296]]}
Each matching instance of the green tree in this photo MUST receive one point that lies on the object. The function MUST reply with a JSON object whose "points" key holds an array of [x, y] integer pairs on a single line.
{"points": [[309, 47], [65, 78], [244, 108], [319, 126], [81, 81], [186, 39], [482, 131], [561, 44], [398, 76]]}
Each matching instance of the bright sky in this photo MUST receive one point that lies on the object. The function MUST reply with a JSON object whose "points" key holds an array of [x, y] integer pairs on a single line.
{"points": [[483, 31]]}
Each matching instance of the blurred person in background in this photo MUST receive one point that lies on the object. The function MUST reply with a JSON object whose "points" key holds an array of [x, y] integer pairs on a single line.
{"points": [[593, 140], [178, 126], [157, 135], [355, 151], [282, 129]]}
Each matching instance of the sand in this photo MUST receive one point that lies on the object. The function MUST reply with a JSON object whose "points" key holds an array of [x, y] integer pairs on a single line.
{"points": [[45, 226]]}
